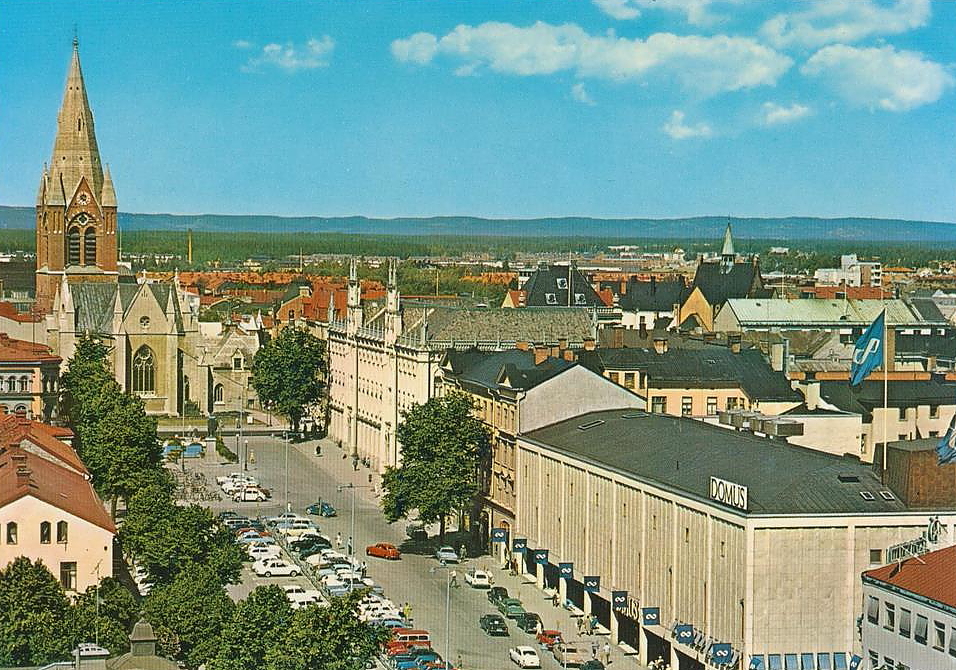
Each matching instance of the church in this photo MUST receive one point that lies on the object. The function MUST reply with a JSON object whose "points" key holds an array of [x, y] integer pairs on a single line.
{"points": [[160, 349]]}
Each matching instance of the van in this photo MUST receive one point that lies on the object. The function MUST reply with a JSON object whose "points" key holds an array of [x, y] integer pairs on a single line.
{"points": [[411, 637]]}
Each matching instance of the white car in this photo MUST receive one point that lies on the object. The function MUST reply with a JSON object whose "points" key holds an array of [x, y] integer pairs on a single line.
{"points": [[249, 494], [222, 479], [525, 657], [296, 528], [300, 596], [285, 516], [275, 567], [263, 551], [478, 579]]}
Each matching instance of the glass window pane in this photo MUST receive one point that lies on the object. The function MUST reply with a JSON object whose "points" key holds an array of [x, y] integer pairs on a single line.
{"points": [[806, 662], [790, 662], [775, 663], [823, 662]]}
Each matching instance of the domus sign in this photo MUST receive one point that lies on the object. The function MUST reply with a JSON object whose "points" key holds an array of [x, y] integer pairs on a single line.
{"points": [[728, 493]]}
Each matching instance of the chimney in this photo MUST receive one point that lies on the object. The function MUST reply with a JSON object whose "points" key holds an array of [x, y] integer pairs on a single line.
{"points": [[568, 355], [541, 353], [733, 341], [811, 395], [522, 345], [562, 343], [776, 356], [304, 291], [660, 345], [617, 333], [589, 344]]}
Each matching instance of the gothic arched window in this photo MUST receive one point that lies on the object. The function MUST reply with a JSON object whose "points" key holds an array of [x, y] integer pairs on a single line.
{"points": [[144, 371], [73, 246], [217, 393], [89, 246]]}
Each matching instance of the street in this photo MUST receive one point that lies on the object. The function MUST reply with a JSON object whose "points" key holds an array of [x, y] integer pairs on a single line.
{"points": [[417, 578]]}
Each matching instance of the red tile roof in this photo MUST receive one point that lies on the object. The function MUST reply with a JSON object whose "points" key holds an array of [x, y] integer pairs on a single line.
{"points": [[55, 485], [21, 351], [7, 310], [16, 432], [929, 576]]}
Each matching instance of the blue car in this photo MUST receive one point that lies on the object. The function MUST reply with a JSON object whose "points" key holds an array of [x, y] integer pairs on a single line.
{"points": [[321, 508]]}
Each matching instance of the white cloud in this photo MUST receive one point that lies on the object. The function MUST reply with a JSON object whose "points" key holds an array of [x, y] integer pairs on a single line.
{"points": [[880, 77], [830, 21], [678, 130], [580, 94], [291, 57], [243, 44], [704, 64], [773, 114], [696, 12]]}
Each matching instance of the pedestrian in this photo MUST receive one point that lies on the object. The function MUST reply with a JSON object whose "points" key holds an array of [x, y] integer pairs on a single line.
{"points": [[607, 653], [555, 599], [538, 627], [462, 551], [364, 568], [459, 664], [350, 545], [453, 579], [594, 648], [580, 625], [355, 461], [338, 540]]}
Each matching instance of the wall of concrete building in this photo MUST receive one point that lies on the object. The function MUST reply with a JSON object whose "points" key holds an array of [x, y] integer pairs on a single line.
{"points": [[833, 433]]}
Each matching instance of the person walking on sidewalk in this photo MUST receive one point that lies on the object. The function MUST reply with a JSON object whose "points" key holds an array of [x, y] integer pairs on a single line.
{"points": [[453, 578], [607, 653], [463, 551], [338, 540]]}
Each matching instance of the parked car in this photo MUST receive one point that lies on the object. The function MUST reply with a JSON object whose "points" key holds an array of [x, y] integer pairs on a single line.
{"points": [[226, 514], [478, 579], [250, 494], [275, 567], [570, 653], [300, 596], [285, 516], [446, 555], [321, 508], [548, 638], [524, 656], [256, 539], [493, 624], [496, 593], [259, 551], [309, 540], [236, 522], [511, 608], [528, 622], [383, 550], [296, 528], [593, 664]]}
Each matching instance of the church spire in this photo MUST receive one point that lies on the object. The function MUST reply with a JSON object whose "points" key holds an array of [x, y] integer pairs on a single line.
{"points": [[75, 153], [108, 198], [728, 248]]}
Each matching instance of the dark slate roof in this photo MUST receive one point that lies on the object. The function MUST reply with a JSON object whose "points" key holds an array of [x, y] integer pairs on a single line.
{"points": [[489, 369], [544, 288], [653, 295], [927, 309], [682, 454], [705, 367], [864, 398], [739, 282], [93, 306], [941, 346], [442, 325]]}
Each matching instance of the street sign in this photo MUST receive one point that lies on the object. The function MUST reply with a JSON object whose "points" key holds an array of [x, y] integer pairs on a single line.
{"points": [[566, 570], [592, 584], [499, 534], [540, 556], [721, 653], [520, 545], [651, 616], [684, 633], [619, 601]]}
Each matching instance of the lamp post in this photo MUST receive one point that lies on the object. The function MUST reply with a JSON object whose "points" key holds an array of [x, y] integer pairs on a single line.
{"points": [[447, 608], [352, 522]]}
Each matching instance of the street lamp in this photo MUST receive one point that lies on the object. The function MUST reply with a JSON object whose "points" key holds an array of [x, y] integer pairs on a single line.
{"points": [[352, 523], [447, 570]]}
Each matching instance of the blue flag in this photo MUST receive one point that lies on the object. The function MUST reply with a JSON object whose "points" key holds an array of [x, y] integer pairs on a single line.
{"points": [[868, 352], [946, 450]]}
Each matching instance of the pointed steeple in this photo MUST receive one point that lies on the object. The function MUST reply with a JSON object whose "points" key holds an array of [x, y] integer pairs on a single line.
{"points": [[75, 153], [108, 198], [41, 191], [728, 248]]}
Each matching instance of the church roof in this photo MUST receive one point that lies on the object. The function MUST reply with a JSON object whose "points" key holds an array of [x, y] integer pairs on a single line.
{"points": [[93, 306], [75, 152], [728, 247]]}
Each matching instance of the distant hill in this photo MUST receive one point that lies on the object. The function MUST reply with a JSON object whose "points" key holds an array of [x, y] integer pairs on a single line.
{"points": [[790, 228]]}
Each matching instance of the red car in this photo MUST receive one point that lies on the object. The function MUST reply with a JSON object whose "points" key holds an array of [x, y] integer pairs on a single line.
{"points": [[383, 550], [548, 638]]}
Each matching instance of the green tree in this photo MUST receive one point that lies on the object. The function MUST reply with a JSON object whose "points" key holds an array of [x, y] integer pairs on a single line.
{"points": [[167, 538], [189, 613], [443, 444], [87, 373], [33, 609], [257, 624], [330, 638], [110, 623], [289, 372]]}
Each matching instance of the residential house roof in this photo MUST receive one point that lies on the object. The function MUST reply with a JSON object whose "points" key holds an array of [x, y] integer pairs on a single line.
{"points": [[653, 295], [681, 455], [514, 368], [548, 287], [929, 576], [21, 351], [719, 282], [866, 397], [39, 438], [811, 313]]}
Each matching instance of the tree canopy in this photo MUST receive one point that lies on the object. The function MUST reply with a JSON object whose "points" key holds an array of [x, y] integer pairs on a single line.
{"points": [[288, 373], [442, 446], [33, 615], [256, 627]]}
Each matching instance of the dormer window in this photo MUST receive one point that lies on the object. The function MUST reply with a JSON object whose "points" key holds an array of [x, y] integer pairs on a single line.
{"points": [[237, 363], [562, 283], [579, 299], [551, 298]]}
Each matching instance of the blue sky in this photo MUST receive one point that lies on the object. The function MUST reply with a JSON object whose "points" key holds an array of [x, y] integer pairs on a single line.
{"points": [[514, 108]]}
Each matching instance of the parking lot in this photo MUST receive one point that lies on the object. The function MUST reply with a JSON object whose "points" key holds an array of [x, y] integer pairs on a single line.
{"points": [[417, 579]]}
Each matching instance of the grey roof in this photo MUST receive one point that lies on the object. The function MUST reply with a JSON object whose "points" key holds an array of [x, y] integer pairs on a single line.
{"points": [[653, 295], [812, 313], [719, 284], [704, 367], [544, 288], [682, 454], [449, 325], [863, 399], [490, 369], [93, 306], [927, 309]]}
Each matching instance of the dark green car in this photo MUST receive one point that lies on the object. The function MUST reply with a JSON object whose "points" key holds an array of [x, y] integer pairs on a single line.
{"points": [[511, 608], [528, 622], [496, 593], [493, 624]]}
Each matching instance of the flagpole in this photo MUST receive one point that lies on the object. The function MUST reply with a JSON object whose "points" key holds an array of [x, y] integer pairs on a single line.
{"points": [[886, 385]]}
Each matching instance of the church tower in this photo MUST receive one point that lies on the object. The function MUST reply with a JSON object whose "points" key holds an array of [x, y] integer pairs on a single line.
{"points": [[76, 203]]}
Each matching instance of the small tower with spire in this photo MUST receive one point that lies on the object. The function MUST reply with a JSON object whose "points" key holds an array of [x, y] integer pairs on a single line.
{"points": [[76, 200], [727, 255], [355, 314]]}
